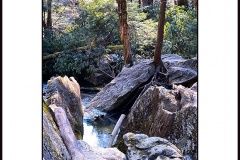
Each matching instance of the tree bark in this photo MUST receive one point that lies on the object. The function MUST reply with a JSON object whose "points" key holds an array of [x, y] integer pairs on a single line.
{"points": [[124, 30], [49, 15], [158, 49]]}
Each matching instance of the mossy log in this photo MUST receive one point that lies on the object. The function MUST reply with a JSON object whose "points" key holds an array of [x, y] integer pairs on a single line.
{"points": [[112, 48]]}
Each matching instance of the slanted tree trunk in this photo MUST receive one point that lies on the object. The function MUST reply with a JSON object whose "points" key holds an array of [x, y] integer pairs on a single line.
{"points": [[124, 30], [158, 49], [49, 15]]}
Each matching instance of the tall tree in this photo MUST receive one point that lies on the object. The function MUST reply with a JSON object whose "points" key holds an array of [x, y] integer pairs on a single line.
{"points": [[158, 48], [49, 15], [124, 30]]}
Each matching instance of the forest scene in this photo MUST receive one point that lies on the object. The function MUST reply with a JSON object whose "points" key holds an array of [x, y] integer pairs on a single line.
{"points": [[119, 79]]}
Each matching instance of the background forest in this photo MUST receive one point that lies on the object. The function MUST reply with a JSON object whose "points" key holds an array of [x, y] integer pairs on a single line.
{"points": [[77, 33]]}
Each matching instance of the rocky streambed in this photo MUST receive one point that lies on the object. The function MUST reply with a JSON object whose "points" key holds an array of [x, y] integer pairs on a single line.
{"points": [[160, 123]]}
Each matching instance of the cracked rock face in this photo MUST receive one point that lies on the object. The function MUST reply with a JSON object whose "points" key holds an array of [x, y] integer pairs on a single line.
{"points": [[114, 93], [142, 147], [65, 93], [170, 114], [99, 153], [180, 70]]}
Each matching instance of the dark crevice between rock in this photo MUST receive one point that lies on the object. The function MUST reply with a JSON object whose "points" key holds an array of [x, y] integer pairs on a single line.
{"points": [[128, 102], [178, 98], [188, 83]]}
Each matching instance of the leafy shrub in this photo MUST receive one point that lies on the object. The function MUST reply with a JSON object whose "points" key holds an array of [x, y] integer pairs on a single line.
{"points": [[99, 19], [80, 62], [180, 32]]}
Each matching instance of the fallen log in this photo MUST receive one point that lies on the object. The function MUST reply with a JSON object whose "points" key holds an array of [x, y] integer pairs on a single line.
{"points": [[67, 133], [114, 133], [54, 55]]}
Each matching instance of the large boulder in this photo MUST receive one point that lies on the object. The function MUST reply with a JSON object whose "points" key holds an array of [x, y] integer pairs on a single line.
{"points": [[123, 86], [140, 146], [184, 129], [170, 114], [180, 71], [65, 93], [99, 153]]}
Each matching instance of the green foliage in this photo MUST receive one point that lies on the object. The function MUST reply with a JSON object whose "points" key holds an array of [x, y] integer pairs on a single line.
{"points": [[80, 62], [180, 32], [99, 19], [143, 32]]}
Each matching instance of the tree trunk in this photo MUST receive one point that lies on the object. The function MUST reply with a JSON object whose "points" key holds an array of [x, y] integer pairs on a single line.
{"points": [[158, 49], [49, 15], [124, 29]]}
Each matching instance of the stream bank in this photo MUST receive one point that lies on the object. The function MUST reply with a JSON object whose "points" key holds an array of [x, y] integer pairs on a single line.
{"points": [[96, 131]]}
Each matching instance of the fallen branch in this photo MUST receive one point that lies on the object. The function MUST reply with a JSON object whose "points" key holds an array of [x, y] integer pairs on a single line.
{"points": [[67, 133], [54, 55], [114, 133]]}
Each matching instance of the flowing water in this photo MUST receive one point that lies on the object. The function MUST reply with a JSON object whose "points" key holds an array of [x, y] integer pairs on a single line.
{"points": [[96, 133]]}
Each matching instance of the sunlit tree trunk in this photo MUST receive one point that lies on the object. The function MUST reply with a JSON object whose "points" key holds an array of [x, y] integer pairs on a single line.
{"points": [[158, 49], [49, 15], [124, 30]]}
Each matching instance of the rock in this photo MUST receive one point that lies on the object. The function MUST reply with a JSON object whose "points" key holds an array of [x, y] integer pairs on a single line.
{"points": [[99, 153], [120, 88], [142, 147], [53, 146], [104, 73], [184, 129], [180, 71], [170, 114], [194, 87], [65, 93]]}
